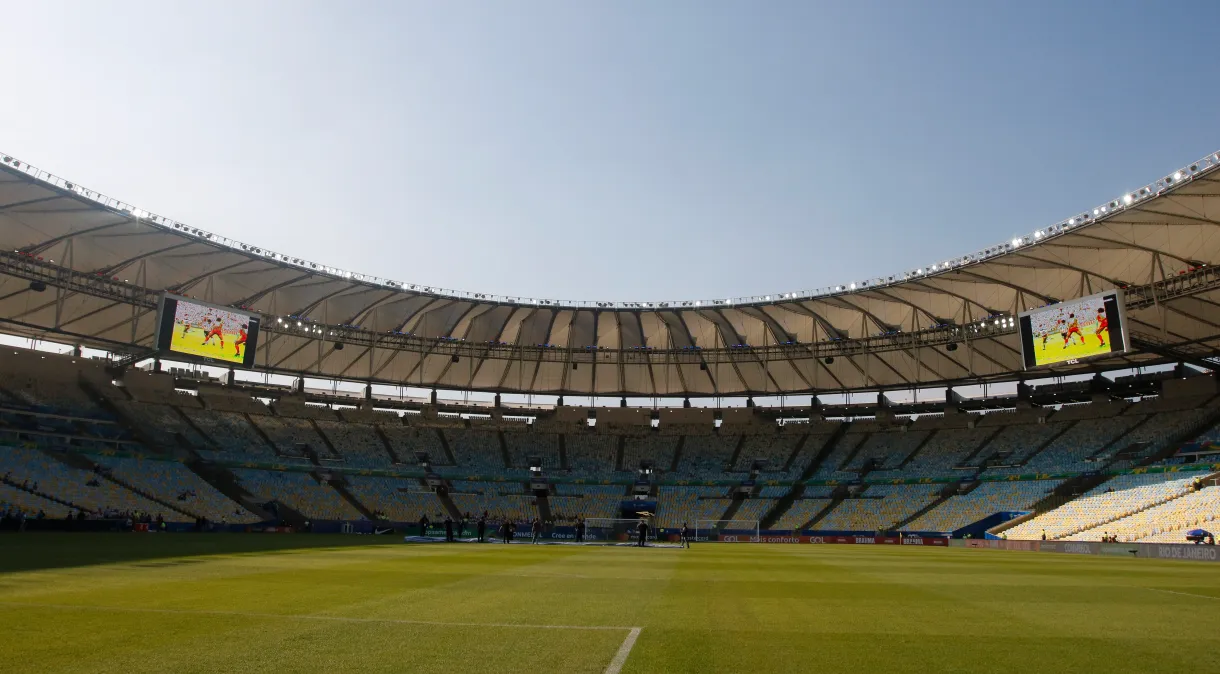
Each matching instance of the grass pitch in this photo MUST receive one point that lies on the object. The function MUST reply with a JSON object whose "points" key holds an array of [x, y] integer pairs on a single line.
{"points": [[235, 603]]}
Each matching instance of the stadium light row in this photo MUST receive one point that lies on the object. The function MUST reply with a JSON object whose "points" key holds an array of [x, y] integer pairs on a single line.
{"points": [[1119, 204]]}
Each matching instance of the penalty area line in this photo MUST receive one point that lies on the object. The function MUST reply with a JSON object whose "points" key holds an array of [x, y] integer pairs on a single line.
{"points": [[634, 631], [620, 658]]}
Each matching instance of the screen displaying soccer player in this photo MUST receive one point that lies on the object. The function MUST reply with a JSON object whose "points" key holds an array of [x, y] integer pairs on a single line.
{"points": [[1069, 331], [207, 331]]}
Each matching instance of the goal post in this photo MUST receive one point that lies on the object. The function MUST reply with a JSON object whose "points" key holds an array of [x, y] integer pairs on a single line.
{"points": [[715, 530]]}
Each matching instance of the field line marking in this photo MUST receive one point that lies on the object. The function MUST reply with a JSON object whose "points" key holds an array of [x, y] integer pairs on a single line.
{"points": [[1184, 594], [620, 658], [284, 616]]}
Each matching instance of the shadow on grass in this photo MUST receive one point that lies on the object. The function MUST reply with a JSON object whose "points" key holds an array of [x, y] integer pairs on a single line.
{"points": [[36, 551]]}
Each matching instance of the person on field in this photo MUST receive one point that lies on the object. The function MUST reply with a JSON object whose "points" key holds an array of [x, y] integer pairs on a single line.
{"points": [[536, 530], [685, 535], [641, 530], [423, 525], [580, 530], [482, 527], [449, 530]]}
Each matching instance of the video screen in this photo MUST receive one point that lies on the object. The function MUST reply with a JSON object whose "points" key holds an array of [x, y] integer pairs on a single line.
{"points": [[1071, 331], [207, 331]]}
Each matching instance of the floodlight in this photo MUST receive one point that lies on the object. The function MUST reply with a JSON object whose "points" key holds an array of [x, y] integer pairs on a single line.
{"points": [[1127, 199]]}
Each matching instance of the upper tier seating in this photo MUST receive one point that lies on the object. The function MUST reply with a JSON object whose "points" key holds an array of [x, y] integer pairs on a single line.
{"points": [[659, 449], [400, 500], [357, 443], [706, 456]]}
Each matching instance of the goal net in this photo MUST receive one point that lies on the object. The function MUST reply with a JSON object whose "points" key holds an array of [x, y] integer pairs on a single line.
{"points": [[715, 530], [607, 529]]}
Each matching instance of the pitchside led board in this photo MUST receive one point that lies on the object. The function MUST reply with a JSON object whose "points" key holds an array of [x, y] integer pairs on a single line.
{"points": [[1072, 331], [207, 332]]}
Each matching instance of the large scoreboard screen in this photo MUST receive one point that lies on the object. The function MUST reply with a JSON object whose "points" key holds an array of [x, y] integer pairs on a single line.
{"points": [[1071, 331], [207, 332]]}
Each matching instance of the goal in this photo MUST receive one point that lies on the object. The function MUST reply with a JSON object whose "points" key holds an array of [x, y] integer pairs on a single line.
{"points": [[715, 530], [608, 529]]}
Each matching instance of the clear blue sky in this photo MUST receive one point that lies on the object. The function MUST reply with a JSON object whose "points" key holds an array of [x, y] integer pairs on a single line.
{"points": [[624, 151]]}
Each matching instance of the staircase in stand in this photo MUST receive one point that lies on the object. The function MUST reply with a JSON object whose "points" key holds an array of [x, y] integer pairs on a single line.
{"points": [[834, 503], [620, 449], [224, 481], [785, 502], [563, 454], [387, 445], [508, 463], [673, 467]]}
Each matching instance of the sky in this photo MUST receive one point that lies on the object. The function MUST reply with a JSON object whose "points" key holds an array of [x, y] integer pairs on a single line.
{"points": [[612, 151]]}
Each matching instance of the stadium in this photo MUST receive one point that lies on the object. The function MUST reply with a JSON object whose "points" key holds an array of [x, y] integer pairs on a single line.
{"points": [[113, 421], [734, 382]]}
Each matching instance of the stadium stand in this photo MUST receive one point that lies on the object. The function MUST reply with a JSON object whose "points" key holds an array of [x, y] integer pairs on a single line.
{"points": [[1117, 498], [871, 513], [985, 500]]}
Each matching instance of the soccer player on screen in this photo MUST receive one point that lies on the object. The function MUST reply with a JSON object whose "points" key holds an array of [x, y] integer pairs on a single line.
{"points": [[1103, 323], [241, 338], [216, 331], [1073, 329]]}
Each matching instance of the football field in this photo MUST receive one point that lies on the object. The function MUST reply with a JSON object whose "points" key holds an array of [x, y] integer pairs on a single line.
{"points": [[250, 603]]}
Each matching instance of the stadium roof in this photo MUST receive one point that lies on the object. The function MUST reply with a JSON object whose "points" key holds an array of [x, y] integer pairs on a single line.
{"points": [[104, 262]]}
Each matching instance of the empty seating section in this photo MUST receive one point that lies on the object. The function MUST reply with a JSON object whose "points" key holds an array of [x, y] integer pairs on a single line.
{"points": [[706, 456], [174, 483], [754, 509], [358, 444], [1068, 453], [774, 449], [299, 491], [839, 454], [1152, 436], [987, 499], [399, 500], [586, 500], [659, 449], [521, 446], [12, 498], [871, 514], [1015, 444], [406, 441], [53, 389], [773, 491], [162, 423], [1196, 510], [1168, 520], [676, 505], [288, 432], [1117, 498], [499, 500], [71, 484], [801, 511], [565, 509], [948, 448], [478, 451], [590, 455], [888, 449], [231, 434]]}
